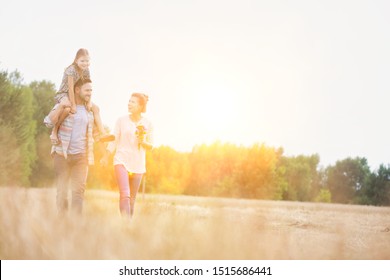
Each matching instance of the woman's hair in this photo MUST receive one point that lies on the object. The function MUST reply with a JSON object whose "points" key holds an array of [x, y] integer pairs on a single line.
{"points": [[142, 100]]}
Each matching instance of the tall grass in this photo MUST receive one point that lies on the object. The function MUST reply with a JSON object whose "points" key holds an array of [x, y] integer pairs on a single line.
{"points": [[179, 227]]}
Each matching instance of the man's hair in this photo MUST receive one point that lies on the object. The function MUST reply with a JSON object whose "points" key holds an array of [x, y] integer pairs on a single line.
{"points": [[81, 82]]}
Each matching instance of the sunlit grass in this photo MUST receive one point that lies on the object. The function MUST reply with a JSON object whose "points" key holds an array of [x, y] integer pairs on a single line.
{"points": [[180, 227]]}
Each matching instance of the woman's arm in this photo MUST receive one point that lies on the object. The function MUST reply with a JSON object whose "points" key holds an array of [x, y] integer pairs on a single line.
{"points": [[146, 145]]}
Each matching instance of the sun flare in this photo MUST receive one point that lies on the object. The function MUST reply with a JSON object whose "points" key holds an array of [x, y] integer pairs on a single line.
{"points": [[214, 108]]}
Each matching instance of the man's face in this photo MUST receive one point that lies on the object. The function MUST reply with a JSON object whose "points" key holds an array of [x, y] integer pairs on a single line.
{"points": [[85, 92]]}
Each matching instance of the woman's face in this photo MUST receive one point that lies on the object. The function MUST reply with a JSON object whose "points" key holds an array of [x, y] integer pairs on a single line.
{"points": [[133, 106]]}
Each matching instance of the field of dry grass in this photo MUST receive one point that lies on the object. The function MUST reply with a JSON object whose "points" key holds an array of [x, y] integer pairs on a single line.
{"points": [[189, 228]]}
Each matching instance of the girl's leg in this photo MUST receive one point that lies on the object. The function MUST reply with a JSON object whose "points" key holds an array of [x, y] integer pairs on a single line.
{"points": [[52, 118], [56, 117], [122, 178], [135, 182], [54, 133], [56, 112]]}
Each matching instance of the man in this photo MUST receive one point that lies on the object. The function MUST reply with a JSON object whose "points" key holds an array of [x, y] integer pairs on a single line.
{"points": [[75, 151]]}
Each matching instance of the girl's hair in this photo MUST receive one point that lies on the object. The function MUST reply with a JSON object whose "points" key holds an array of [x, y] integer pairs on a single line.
{"points": [[142, 100], [80, 53]]}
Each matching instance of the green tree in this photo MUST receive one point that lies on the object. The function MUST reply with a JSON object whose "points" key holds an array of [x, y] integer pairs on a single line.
{"points": [[11, 158], [16, 115], [43, 173], [168, 171], [320, 191], [300, 177], [377, 192], [347, 178], [204, 161], [256, 176]]}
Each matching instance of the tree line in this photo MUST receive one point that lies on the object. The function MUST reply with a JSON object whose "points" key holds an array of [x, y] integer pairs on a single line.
{"points": [[219, 169]]}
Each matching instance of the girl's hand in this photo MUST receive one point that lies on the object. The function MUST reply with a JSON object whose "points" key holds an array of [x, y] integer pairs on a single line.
{"points": [[73, 109]]}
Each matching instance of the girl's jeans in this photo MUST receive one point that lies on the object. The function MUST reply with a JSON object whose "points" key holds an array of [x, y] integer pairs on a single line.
{"points": [[128, 187]]}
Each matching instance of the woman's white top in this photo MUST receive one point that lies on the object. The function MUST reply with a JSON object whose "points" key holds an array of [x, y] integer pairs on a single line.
{"points": [[127, 151]]}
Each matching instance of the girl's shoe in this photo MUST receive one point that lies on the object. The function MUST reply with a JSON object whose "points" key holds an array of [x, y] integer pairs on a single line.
{"points": [[54, 140]]}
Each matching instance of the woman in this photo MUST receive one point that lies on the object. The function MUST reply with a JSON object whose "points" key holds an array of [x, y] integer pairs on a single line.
{"points": [[133, 136]]}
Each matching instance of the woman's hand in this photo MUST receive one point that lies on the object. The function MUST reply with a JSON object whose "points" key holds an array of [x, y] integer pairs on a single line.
{"points": [[140, 138], [146, 145]]}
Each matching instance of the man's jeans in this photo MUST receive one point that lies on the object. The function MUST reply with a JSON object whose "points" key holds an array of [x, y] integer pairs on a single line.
{"points": [[73, 171]]}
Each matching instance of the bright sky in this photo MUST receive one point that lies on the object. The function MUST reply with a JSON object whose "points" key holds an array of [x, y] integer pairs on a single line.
{"points": [[308, 76]]}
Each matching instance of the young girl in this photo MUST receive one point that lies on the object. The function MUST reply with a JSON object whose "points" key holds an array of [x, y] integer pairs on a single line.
{"points": [[65, 101]]}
